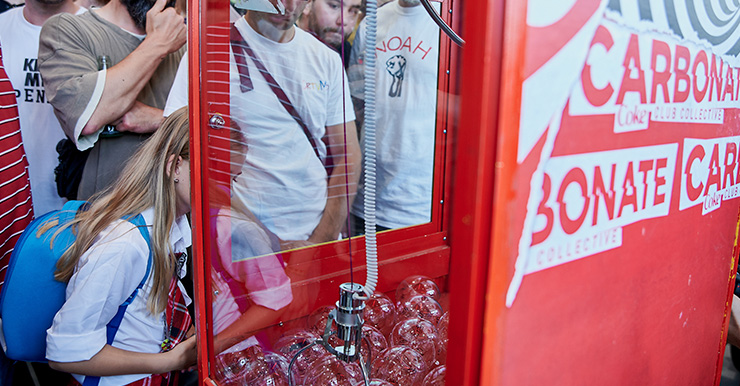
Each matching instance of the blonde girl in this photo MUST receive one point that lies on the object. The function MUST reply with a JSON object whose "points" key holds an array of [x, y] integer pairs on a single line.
{"points": [[108, 261]]}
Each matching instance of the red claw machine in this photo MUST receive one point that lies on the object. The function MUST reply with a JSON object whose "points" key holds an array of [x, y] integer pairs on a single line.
{"points": [[552, 200]]}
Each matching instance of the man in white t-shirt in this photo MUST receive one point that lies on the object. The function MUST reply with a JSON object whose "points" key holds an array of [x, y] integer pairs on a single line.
{"points": [[407, 51], [283, 181], [19, 34]]}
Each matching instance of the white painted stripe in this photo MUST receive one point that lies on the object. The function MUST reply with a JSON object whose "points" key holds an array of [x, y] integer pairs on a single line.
{"points": [[17, 218], [8, 239], [6, 198], [13, 164], [8, 120], [11, 149], [17, 132]]}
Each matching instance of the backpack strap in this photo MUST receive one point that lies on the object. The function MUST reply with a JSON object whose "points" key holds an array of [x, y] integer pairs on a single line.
{"points": [[115, 323], [70, 209]]}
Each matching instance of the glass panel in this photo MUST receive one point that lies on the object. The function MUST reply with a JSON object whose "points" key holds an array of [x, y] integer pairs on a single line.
{"points": [[284, 163], [405, 91]]}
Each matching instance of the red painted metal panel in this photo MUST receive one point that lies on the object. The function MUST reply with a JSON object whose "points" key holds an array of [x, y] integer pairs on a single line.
{"points": [[591, 313], [208, 73], [196, 109], [615, 219], [472, 194]]}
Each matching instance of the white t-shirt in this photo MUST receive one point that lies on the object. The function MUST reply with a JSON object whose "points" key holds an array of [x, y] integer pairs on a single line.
{"points": [[283, 182], [39, 126], [114, 265], [407, 50]]}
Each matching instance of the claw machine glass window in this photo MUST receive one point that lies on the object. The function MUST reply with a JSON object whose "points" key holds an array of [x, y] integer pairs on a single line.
{"points": [[291, 105]]}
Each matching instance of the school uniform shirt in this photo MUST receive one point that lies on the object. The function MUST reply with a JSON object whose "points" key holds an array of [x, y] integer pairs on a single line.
{"points": [[105, 277], [39, 126]]}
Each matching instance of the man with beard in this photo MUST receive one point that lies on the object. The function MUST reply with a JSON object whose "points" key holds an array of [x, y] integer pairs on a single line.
{"points": [[332, 21], [284, 181], [19, 34], [143, 42]]}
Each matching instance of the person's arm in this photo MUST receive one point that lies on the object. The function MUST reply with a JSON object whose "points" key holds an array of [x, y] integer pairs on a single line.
{"points": [[254, 319], [343, 179], [166, 32], [114, 361], [140, 119], [359, 105]]}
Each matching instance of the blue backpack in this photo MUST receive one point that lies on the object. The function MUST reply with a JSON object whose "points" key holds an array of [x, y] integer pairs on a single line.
{"points": [[31, 297]]}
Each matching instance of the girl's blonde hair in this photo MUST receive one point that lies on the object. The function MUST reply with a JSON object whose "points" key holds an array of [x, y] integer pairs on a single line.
{"points": [[144, 182]]}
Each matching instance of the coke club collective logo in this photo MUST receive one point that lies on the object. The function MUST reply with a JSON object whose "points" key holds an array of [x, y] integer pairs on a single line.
{"points": [[641, 78], [580, 203]]}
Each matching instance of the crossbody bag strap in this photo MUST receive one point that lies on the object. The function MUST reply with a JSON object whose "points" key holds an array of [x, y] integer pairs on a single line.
{"points": [[237, 41]]}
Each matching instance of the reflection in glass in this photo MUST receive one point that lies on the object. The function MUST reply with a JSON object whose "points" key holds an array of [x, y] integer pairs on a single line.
{"points": [[250, 286], [407, 52], [289, 96], [289, 181]]}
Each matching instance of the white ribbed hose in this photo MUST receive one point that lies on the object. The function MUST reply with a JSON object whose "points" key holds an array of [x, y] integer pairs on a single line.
{"points": [[371, 245]]}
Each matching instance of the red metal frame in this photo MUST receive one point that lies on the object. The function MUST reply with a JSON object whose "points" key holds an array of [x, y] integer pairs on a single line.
{"points": [[513, 36], [202, 96], [197, 201], [475, 169]]}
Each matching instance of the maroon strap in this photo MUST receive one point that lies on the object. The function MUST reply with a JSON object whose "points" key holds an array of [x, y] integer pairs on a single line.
{"points": [[237, 41]]}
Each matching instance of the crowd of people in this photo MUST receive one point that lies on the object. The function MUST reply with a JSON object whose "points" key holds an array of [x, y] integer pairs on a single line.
{"points": [[94, 107]]}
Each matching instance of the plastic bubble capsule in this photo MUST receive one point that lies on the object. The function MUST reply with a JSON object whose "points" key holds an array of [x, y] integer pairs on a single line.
{"points": [[421, 306], [291, 343], [380, 382], [417, 285], [400, 365], [380, 312], [316, 321], [420, 335], [378, 343], [436, 377], [276, 373], [237, 362], [443, 326], [329, 371]]}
